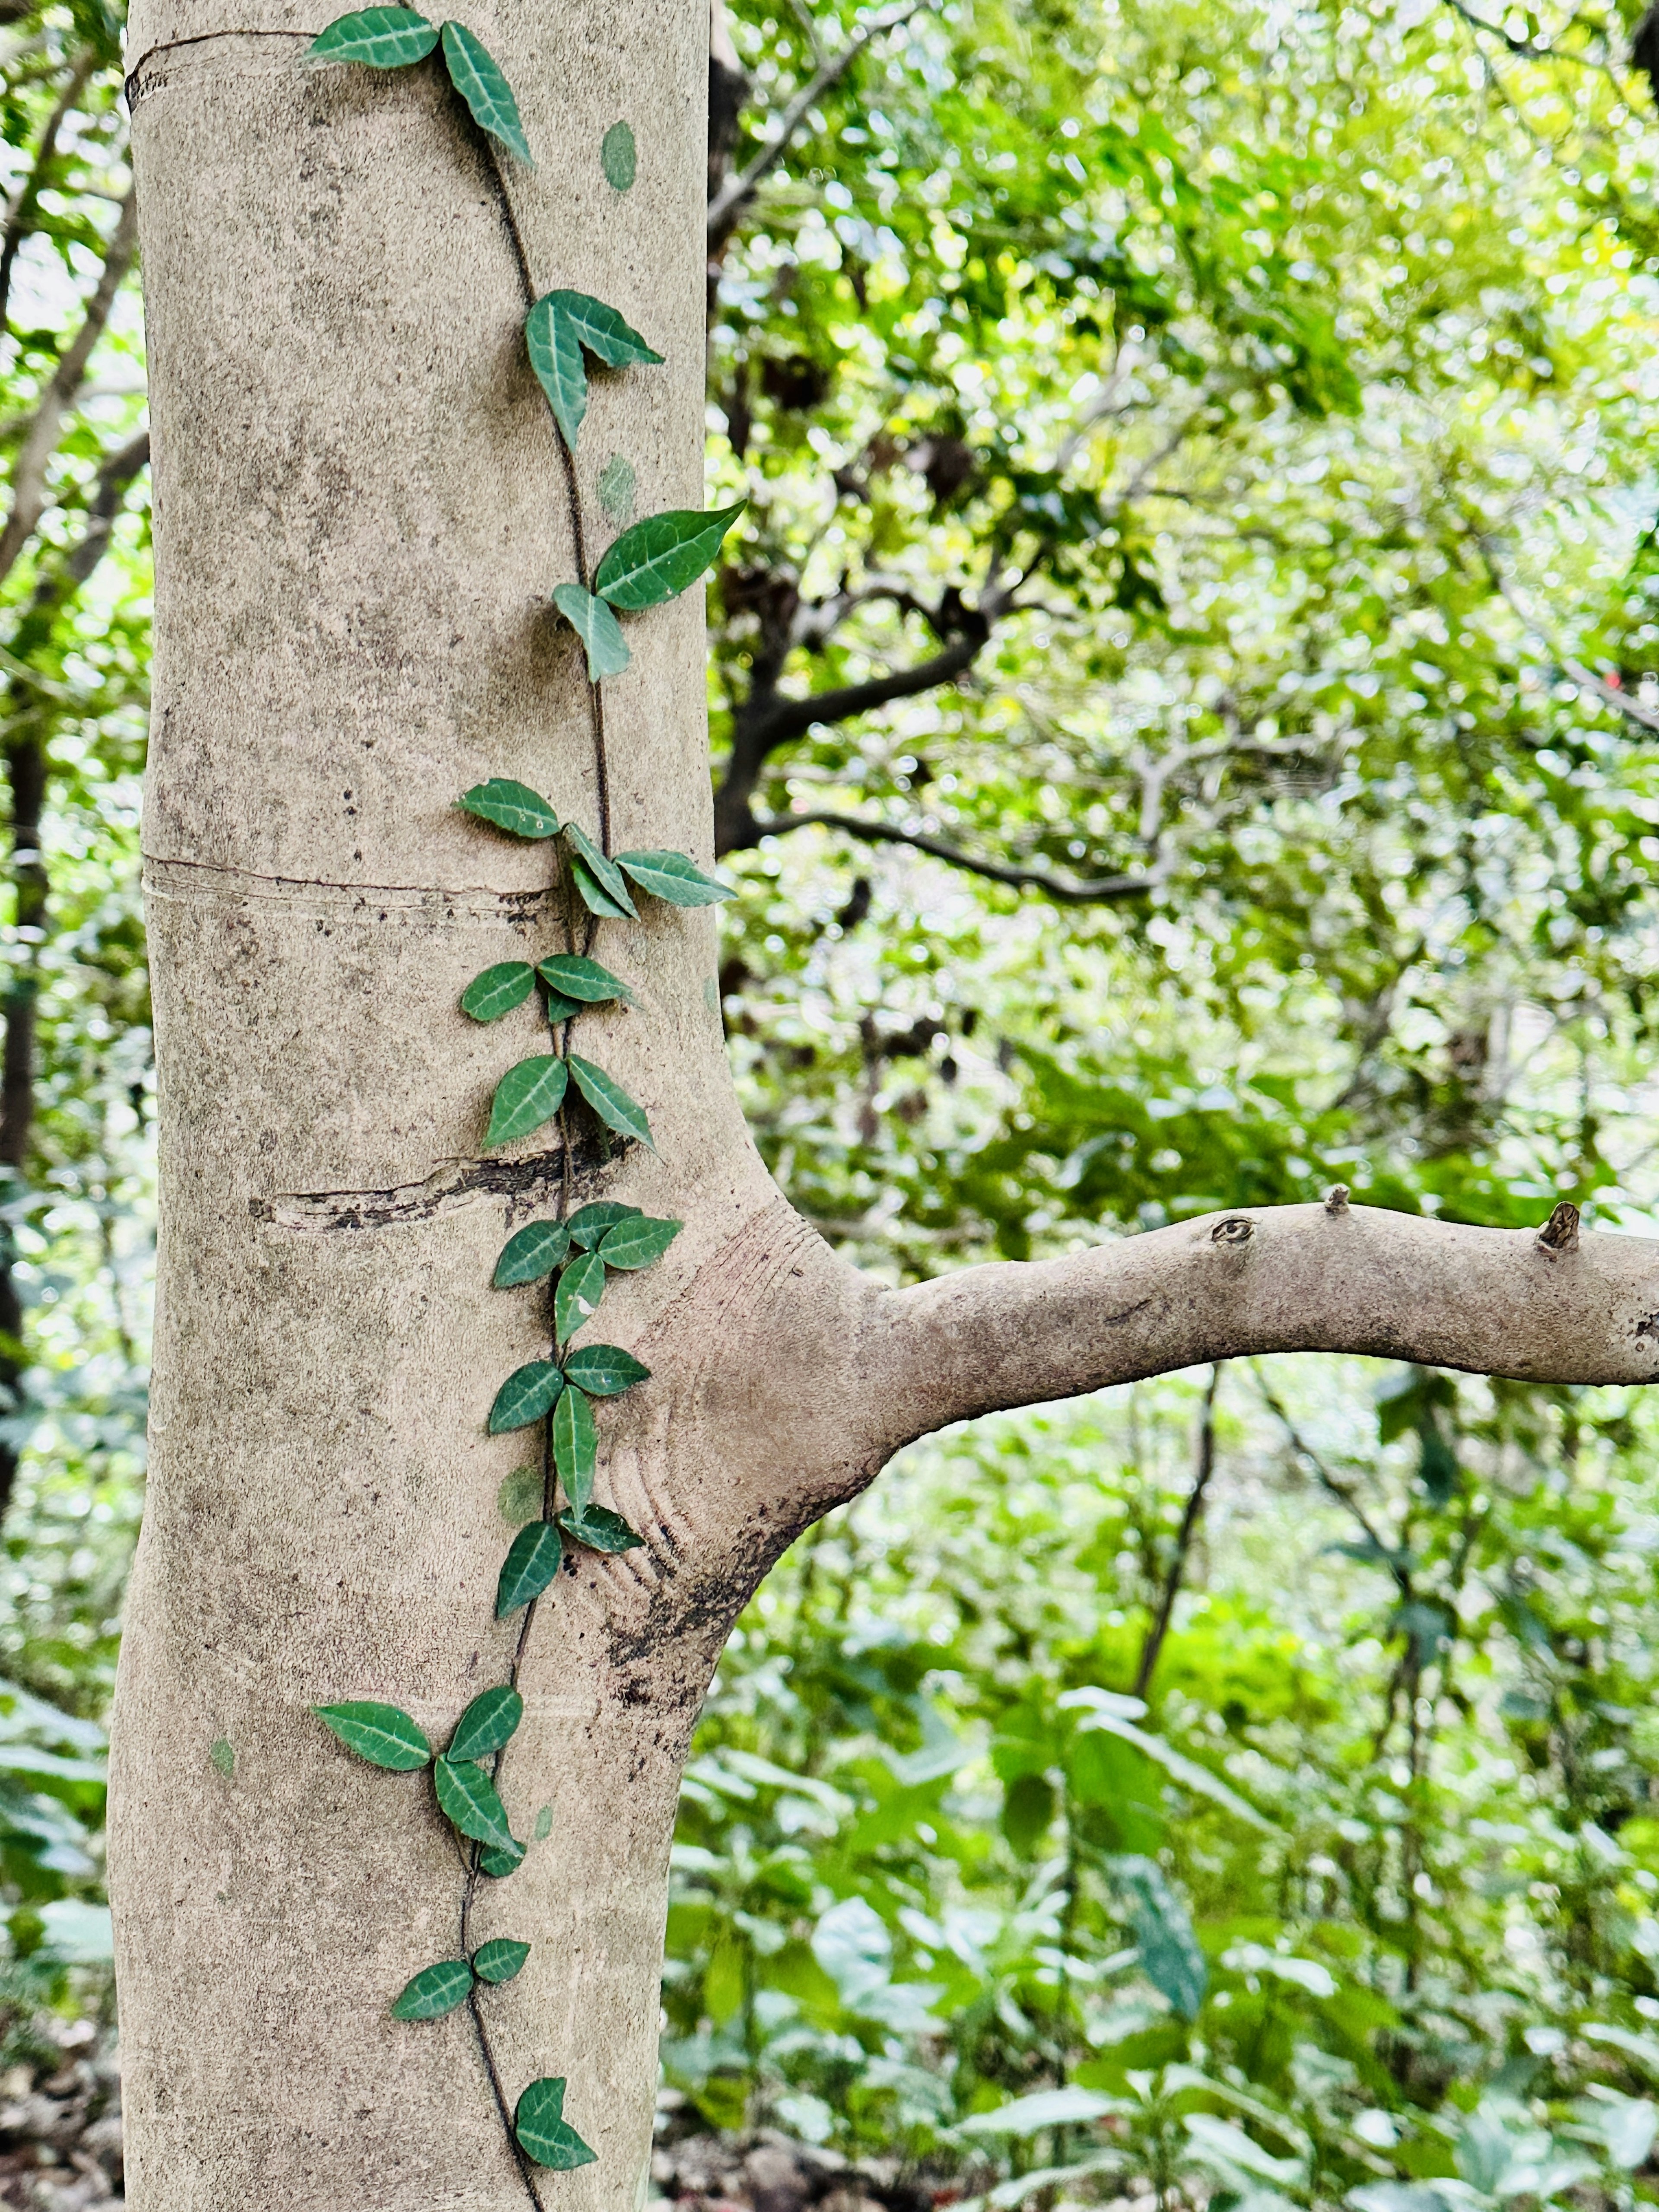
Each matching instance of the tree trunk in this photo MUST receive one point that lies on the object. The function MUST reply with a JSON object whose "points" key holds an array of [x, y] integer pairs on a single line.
{"points": [[360, 514]]}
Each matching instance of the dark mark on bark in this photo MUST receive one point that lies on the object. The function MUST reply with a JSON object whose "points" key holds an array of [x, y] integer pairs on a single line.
{"points": [[1117, 1319], [526, 1184], [1233, 1231], [1560, 1232]]}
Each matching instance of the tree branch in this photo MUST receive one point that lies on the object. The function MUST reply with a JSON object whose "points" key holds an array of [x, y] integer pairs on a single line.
{"points": [[1102, 890], [729, 203], [1327, 1278], [1189, 1520], [28, 192], [28, 479]]}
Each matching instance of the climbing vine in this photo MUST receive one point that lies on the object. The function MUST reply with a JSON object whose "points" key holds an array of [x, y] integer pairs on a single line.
{"points": [[570, 1258]]}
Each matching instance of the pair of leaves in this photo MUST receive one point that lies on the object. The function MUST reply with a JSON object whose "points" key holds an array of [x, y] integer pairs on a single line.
{"points": [[543, 2133], [439, 1990], [531, 1255], [392, 38], [572, 981], [656, 560], [559, 329], [386, 1737], [629, 1247]]}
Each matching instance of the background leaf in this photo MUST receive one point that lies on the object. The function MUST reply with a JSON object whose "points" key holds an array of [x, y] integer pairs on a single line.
{"points": [[382, 1735], [581, 979], [488, 1724], [380, 38], [526, 1395], [543, 2133], [511, 806], [609, 1101], [434, 1991], [659, 557], [467, 1796], [604, 1370], [604, 872], [674, 877], [526, 1096], [498, 990], [530, 1564], [577, 1298], [575, 1447], [531, 1253], [477, 77], [637, 1243], [590, 1224], [499, 1959], [598, 628]]}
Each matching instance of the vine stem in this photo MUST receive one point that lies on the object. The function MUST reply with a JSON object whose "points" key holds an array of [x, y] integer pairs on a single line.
{"points": [[486, 146]]}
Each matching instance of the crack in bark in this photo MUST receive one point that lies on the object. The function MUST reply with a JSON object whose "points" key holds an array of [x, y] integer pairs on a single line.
{"points": [[524, 1183], [133, 89]]}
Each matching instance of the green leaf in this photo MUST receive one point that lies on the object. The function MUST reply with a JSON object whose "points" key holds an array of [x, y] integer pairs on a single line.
{"points": [[577, 1298], [600, 1529], [555, 355], [658, 558], [531, 1254], [477, 77], [380, 1733], [468, 1798], [604, 1370], [497, 1863], [488, 1724], [511, 806], [575, 1448], [526, 1096], [588, 1224], [597, 629], [618, 157], [609, 1101], [674, 877], [500, 1961], [596, 900], [435, 1991], [603, 330], [638, 1243], [380, 38], [581, 979], [603, 872], [520, 1497], [498, 990], [529, 1567], [543, 2133], [526, 1395]]}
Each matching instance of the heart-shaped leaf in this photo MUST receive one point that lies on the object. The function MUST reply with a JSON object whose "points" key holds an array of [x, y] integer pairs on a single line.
{"points": [[582, 978], [511, 806], [594, 897], [526, 1096], [603, 330], [597, 629], [637, 1243], [380, 38], [604, 873], [477, 77], [658, 558], [526, 1395], [500, 1961], [467, 1796], [609, 1101], [488, 1724], [588, 1224], [435, 1991], [604, 1370], [531, 1254], [575, 1448], [543, 2133], [380, 1733], [577, 1298], [498, 990], [529, 1567], [674, 877], [600, 1529], [498, 1863]]}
